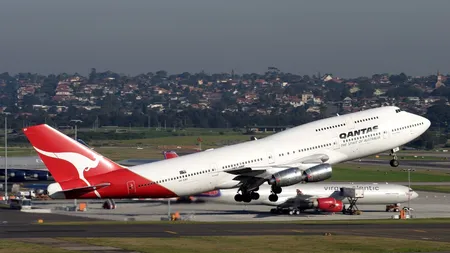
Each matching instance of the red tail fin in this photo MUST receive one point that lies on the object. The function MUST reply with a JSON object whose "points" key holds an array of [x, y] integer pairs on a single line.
{"points": [[170, 154], [66, 158]]}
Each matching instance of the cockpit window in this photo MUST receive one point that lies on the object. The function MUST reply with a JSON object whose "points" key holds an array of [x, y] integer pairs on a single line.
{"points": [[397, 110]]}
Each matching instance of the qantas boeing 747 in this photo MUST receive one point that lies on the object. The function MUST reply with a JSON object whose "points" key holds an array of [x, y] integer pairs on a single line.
{"points": [[303, 153]]}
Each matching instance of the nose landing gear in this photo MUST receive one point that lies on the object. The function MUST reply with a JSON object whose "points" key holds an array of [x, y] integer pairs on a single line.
{"points": [[394, 162]]}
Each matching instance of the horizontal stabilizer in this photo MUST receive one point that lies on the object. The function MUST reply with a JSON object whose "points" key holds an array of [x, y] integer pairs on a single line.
{"points": [[88, 188]]}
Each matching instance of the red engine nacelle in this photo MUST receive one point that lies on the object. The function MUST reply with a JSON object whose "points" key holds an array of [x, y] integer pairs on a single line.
{"points": [[329, 205]]}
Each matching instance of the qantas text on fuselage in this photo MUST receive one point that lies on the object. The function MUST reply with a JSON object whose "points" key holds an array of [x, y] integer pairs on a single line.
{"points": [[303, 153], [358, 132]]}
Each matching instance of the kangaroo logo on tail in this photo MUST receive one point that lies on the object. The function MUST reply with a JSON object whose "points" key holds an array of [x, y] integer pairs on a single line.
{"points": [[80, 162]]}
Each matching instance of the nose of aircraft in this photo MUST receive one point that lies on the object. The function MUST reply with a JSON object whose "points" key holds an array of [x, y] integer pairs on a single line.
{"points": [[414, 195], [426, 122]]}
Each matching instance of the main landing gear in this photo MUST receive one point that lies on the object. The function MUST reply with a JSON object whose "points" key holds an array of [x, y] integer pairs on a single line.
{"points": [[275, 190], [394, 162], [109, 204], [246, 196]]}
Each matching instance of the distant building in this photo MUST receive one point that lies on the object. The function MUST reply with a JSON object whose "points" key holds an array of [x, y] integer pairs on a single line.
{"points": [[266, 129]]}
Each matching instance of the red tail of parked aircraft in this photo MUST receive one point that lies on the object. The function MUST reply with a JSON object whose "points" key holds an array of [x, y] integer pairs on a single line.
{"points": [[170, 154]]}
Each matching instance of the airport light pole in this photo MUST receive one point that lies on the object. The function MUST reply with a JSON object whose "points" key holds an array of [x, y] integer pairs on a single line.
{"points": [[409, 188], [76, 121], [6, 157]]}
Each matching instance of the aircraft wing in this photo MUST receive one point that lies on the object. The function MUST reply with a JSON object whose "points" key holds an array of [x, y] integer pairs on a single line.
{"points": [[260, 170], [295, 201], [312, 159]]}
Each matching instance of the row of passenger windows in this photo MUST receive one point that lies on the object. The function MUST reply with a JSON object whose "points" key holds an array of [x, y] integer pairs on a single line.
{"points": [[329, 127], [175, 178], [307, 149], [362, 137], [242, 163], [406, 127], [364, 120]]}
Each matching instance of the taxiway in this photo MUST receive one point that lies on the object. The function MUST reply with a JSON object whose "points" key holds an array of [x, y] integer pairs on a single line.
{"points": [[427, 205]]}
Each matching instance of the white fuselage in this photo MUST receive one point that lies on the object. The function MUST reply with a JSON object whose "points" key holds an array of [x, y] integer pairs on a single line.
{"points": [[341, 138], [374, 194]]}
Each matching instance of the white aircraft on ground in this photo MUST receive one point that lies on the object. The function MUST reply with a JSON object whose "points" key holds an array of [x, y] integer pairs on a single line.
{"points": [[301, 154], [326, 197]]}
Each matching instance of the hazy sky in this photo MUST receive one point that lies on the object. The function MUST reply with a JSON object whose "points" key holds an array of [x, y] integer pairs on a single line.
{"points": [[347, 38]]}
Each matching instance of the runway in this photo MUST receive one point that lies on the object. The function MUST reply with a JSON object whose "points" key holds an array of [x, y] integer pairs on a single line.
{"points": [[434, 232], [9, 217]]}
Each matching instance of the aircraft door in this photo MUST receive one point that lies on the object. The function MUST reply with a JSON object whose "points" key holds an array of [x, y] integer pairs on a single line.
{"points": [[349, 123], [214, 170], [336, 144], [385, 134], [131, 187], [270, 158]]}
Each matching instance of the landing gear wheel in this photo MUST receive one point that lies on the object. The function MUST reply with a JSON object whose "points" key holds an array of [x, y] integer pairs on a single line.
{"points": [[109, 204], [394, 163], [276, 189], [238, 197], [254, 195], [273, 197], [247, 198]]}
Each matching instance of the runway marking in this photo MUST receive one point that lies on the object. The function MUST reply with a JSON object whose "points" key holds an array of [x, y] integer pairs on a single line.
{"points": [[298, 231], [171, 232], [421, 231]]}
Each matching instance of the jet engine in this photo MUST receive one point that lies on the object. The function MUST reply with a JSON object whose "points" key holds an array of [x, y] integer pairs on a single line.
{"points": [[293, 176], [331, 205], [318, 173]]}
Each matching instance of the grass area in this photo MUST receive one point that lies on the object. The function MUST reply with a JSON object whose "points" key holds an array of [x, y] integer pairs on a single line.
{"points": [[12, 246], [118, 154], [209, 141], [305, 222], [261, 244], [432, 188], [151, 147], [367, 173]]}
